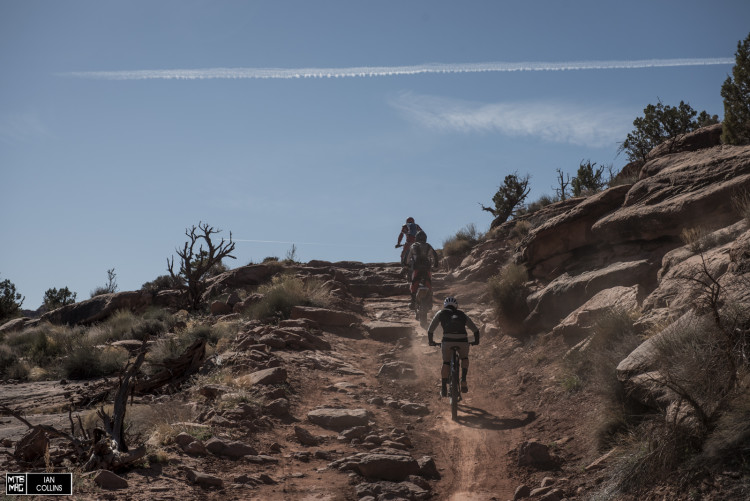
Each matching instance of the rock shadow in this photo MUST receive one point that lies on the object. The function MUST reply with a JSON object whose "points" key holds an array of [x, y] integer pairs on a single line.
{"points": [[474, 417]]}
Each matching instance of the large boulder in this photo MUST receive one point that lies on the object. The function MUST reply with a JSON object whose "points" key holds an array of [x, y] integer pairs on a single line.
{"points": [[242, 277], [571, 230], [566, 293], [99, 308], [581, 323], [677, 191], [338, 419], [705, 137], [324, 316]]}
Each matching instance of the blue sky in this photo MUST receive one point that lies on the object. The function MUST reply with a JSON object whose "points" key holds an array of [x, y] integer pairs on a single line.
{"points": [[110, 146]]}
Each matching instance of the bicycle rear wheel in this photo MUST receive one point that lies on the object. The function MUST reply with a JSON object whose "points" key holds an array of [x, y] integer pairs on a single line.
{"points": [[454, 388]]}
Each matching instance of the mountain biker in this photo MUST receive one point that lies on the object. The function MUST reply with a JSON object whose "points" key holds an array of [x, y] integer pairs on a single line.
{"points": [[408, 230], [454, 322], [419, 261]]}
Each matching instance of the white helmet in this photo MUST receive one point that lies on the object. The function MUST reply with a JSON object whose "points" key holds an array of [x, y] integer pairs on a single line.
{"points": [[450, 301]]}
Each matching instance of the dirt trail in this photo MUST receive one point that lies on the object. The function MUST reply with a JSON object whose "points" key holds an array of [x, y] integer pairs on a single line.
{"points": [[472, 450]]}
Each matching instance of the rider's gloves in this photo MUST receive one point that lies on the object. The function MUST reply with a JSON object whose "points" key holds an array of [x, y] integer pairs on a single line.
{"points": [[476, 339], [396, 246], [431, 342]]}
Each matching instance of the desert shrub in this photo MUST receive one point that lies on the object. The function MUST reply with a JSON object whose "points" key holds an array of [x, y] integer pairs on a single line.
{"points": [[661, 123], [7, 358], [509, 197], [110, 287], [520, 230], [508, 292], [160, 283], [271, 259], [54, 298], [731, 435], [10, 300], [588, 180], [538, 204], [88, 362], [736, 94], [741, 204], [148, 328], [18, 370], [461, 243], [285, 292]]}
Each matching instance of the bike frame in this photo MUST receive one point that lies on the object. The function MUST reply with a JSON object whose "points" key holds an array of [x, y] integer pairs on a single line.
{"points": [[454, 390]]}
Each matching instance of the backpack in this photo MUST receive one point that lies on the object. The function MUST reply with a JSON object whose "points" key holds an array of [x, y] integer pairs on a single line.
{"points": [[453, 322], [420, 259]]}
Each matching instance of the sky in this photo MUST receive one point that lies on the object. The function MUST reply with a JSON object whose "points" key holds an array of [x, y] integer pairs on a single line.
{"points": [[319, 124]]}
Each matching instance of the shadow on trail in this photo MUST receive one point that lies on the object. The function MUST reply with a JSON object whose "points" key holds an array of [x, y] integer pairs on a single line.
{"points": [[475, 417]]}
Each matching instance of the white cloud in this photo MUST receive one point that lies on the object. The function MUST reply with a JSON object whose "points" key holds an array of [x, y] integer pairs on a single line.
{"points": [[385, 71], [19, 127], [551, 121]]}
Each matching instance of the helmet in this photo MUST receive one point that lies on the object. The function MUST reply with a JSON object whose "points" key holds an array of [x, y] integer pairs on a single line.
{"points": [[450, 301], [421, 236], [409, 219]]}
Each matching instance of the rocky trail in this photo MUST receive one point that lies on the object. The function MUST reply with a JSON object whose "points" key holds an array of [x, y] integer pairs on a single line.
{"points": [[361, 420]]}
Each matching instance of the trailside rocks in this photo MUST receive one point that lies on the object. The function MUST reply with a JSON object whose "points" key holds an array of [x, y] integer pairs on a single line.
{"points": [[338, 419]]}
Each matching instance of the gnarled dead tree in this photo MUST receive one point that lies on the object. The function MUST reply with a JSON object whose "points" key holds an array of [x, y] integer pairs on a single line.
{"points": [[195, 265]]}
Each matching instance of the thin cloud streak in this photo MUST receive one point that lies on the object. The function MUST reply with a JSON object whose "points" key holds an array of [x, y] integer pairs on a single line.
{"points": [[387, 71], [298, 243], [548, 120]]}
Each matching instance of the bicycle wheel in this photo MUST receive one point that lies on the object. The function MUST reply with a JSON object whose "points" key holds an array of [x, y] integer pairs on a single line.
{"points": [[455, 390]]}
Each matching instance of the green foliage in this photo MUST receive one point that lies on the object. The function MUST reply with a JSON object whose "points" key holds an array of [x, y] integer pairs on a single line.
{"points": [[54, 298], [161, 283], [588, 180], [736, 94], [508, 292], [509, 197], [461, 243], [10, 300], [88, 362], [660, 123]]}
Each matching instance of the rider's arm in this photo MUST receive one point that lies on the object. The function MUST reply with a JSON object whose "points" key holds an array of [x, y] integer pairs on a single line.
{"points": [[435, 258], [433, 326], [472, 327]]}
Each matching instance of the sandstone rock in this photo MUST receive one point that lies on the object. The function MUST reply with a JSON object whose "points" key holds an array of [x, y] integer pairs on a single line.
{"points": [[233, 450], [305, 437], [242, 277], [14, 325], [355, 432], [273, 341], [278, 407], [581, 322], [220, 308], [705, 137], [387, 466], [212, 391], [388, 332], [195, 448], [183, 439], [396, 370], [686, 189], [414, 409], [428, 468], [109, 480], [569, 231], [522, 491], [338, 419], [32, 445], [391, 490], [534, 454], [274, 375], [567, 293], [98, 308], [324, 316], [204, 479]]}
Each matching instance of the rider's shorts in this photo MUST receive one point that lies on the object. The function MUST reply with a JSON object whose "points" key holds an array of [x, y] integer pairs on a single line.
{"points": [[463, 349]]}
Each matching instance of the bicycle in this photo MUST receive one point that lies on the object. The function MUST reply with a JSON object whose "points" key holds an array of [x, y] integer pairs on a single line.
{"points": [[423, 304], [454, 388]]}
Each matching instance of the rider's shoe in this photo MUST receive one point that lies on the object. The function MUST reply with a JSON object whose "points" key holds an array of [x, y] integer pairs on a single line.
{"points": [[464, 386], [443, 391]]}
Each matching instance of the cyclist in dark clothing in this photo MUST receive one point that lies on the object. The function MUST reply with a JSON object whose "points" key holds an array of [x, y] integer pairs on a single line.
{"points": [[422, 258], [454, 323]]}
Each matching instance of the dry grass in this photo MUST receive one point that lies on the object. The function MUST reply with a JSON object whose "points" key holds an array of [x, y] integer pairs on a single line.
{"points": [[462, 242], [508, 292], [285, 292], [741, 204]]}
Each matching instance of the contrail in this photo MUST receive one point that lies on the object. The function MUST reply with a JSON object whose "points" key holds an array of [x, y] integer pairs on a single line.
{"points": [[387, 71], [298, 243]]}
